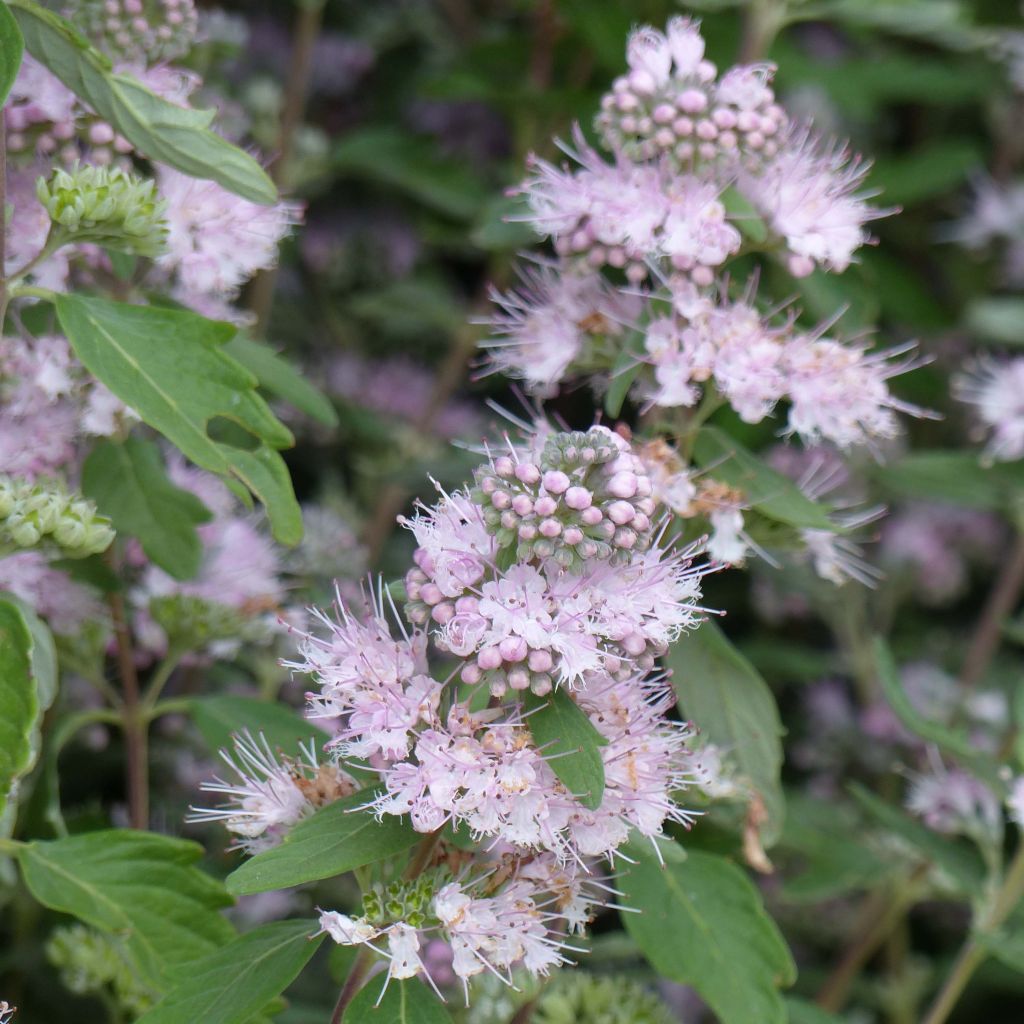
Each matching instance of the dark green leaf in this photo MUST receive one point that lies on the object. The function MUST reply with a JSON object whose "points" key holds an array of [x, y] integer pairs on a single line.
{"points": [[28, 684], [405, 1002], [157, 128], [500, 226], [280, 378], [411, 164], [800, 1011], [217, 718], [726, 698], [338, 838], [765, 489], [1006, 946], [170, 367], [565, 734], [139, 886], [238, 980], [998, 319], [958, 861], [129, 484], [702, 923], [11, 48], [933, 170], [745, 215], [628, 364]]}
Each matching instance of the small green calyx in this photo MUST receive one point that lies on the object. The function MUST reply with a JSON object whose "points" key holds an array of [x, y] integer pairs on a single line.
{"points": [[408, 901], [107, 206], [35, 514]]}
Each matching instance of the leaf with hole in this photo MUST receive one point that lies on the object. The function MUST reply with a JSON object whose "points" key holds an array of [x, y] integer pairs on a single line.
{"points": [[170, 367]]}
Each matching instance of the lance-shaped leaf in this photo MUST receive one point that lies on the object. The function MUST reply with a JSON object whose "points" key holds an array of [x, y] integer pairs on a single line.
{"points": [[566, 735], [404, 1002], [765, 489], [157, 128], [139, 886], [278, 377], [702, 923], [11, 47], [234, 983], [732, 705], [170, 367], [339, 837], [129, 484], [28, 684]]}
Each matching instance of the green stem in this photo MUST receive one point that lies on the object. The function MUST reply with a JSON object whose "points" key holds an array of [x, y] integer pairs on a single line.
{"points": [[161, 674], [3, 219], [973, 952], [178, 706], [12, 847], [353, 983], [761, 24], [29, 291]]}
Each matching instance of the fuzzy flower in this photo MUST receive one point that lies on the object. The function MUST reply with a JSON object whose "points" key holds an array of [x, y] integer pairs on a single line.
{"points": [[268, 795], [953, 802], [996, 390], [7, 1012], [809, 195], [546, 324], [216, 240], [1015, 801]]}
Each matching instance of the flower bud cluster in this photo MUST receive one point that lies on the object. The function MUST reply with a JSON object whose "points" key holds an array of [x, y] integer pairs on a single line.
{"points": [[400, 901], [586, 497], [107, 206], [32, 514], [670, 103], [138, 31]]}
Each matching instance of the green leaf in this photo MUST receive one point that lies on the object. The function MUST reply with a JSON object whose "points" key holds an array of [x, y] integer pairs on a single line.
{"points": [[412, 165], [1005, 945], [955, 743], [338, 838], [800, 1011], [170, 367], [237, 981], [501, 225], [732, 705], [628, 364], [999, 319], [957, 860], [217, 718], [405, 1002], [158, 129], [702, 923], [11, 48], [139, 886], [933, 170], [563, 731], [745, 216], [280, 378], [28, 686], [129, 484], [768, 491], [957, 477]]}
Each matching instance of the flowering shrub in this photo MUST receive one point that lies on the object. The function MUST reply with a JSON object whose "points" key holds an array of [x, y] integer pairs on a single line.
{"points": [[675, 651]]}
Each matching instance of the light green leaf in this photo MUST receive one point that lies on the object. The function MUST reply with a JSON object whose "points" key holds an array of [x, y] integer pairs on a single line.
{"points": [[765, 489], [338, 838], [280, 378], [28, 686], [170, 367], [158, 129], [999, 319], [237, 981], [745, 216], [957, 860], [217, 718], [702, 923], [564, 733], [732, 705], [956, 743], [957, 477], [405, 1002], [1005, 945], [129, 484], [501, 225], [11, 49], [139, 886]]}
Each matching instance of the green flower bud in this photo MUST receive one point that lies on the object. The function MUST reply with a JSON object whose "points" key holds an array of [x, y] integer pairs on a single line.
{"points": [[107, 206], [32, 514], [575, 997]]}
